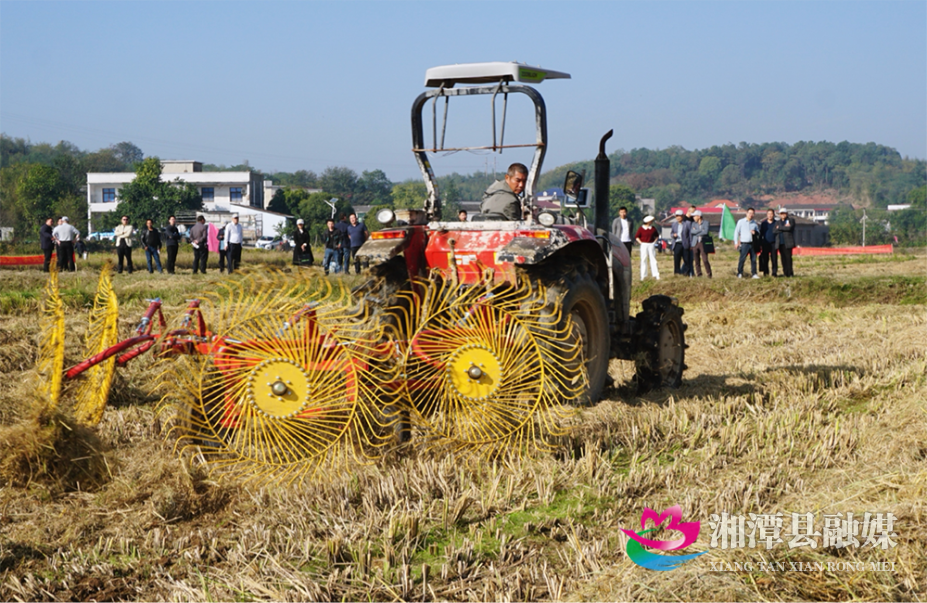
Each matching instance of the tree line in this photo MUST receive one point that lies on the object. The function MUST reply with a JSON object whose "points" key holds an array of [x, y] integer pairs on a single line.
{"points": [[39, 180], [868, 174]]}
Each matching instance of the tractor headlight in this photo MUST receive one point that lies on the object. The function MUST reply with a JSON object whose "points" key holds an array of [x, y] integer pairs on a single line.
{"points": [[386, 216], [546, 218]]}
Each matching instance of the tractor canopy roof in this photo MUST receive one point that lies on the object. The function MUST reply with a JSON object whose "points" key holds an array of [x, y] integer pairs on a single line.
{"points": [[487, 73]]}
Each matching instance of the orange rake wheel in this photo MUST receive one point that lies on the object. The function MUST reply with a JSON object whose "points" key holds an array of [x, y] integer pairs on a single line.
{"points": [[278, 399]]}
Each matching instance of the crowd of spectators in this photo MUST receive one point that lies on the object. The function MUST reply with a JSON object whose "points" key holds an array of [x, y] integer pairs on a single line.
{"points": [[772, 240], [691, 242]]}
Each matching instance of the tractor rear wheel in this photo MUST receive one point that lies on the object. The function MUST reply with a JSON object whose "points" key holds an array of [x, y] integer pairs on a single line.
{"points": [[662, 345], [584, 304]]}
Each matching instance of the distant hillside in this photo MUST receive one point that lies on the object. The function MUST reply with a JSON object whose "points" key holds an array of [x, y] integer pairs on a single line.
{"points": [[868, 175]]}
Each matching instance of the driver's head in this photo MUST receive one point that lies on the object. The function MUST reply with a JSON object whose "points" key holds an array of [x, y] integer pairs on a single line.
{"points": [[516, 177]]}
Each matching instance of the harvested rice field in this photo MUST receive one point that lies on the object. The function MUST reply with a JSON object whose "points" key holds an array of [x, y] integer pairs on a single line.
{"points": [[805, 397]]}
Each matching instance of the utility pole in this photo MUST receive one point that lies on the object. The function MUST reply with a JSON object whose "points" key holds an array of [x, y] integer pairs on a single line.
{"points": [[863, 220]]}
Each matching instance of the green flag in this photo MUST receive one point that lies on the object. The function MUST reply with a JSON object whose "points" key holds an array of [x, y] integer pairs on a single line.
{"points": [[727, 225]]}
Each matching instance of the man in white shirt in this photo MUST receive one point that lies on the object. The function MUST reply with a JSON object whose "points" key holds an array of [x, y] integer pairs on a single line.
{"points": [[233, 238], [622, 227], [66, 235], [746, 230], [123, 239]]}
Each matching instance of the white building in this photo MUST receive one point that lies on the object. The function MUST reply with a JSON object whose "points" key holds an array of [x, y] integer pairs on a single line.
{"points": [[234, 192]]}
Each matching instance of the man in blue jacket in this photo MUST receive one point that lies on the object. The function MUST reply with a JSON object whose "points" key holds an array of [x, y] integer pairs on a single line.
{"points": [[682, 245], [356, 235]]}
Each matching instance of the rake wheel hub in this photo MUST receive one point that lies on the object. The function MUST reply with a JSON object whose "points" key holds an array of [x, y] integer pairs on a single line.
{"points": [[475, 372], [278, 388]]}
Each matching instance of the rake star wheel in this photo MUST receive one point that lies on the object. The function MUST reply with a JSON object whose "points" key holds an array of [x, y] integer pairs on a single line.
{"points": [[50, 362], [486, 370], [232, 302], [103, 333], [279, 398]]}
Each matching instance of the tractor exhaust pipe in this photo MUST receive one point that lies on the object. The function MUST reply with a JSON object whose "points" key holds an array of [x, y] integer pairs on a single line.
{"points": [[602, 176]]}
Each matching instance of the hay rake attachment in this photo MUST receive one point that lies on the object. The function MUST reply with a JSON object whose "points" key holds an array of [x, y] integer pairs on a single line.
{"points": [[50, 363], [282, 377], [486, 368]]}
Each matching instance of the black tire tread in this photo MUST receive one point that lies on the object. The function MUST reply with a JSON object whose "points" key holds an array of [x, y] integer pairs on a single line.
{"points": [[658, 311], [572, 279]]}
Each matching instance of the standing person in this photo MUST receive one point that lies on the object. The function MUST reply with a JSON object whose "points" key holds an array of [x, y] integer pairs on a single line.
{"points": [[462, 215], [356, 235], [331, 240], [199, 238], [622, 227], [222, 249], [151, 240], [66, 235], [744, 233], [785, 230], [769, 244], [302, 249], [46, 239], [234, 236], [682, 245], [124, 232], [342, 225], [646, 237], [171, 243], [698, 231]]}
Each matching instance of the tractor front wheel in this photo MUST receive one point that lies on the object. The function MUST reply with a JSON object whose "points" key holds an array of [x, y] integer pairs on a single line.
{"points": [[662, 344]]}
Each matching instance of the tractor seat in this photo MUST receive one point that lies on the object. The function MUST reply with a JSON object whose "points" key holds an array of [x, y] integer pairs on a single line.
{"points": [[492, 217]]}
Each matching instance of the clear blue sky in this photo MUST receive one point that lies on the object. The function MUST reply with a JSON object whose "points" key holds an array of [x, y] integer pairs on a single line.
{"points": [[306, 85]]}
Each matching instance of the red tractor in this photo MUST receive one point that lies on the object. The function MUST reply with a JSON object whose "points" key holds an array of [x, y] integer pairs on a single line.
{"points": [[570, 251], [474, 334]]}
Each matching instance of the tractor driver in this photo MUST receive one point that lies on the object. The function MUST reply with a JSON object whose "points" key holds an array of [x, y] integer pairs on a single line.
{"points": [[502, 198]]}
